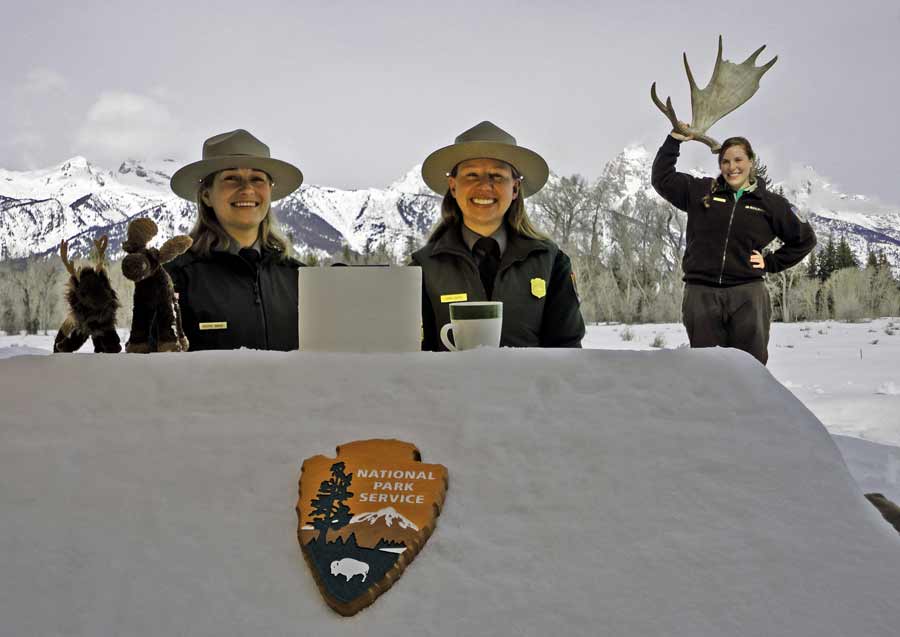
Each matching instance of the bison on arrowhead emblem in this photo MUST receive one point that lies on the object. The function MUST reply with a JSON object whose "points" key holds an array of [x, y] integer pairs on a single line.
{"points": [[364, 515]]}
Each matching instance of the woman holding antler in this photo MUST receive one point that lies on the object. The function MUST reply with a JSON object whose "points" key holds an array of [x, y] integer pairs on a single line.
{"points": [[731, 218]]}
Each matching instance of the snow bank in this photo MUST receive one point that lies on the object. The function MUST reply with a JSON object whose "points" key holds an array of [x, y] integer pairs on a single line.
{"points": [[591, 492]]}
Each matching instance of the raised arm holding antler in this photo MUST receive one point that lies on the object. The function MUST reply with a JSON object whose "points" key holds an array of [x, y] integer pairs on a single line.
{"points": [[730, 218], [730, 86]]}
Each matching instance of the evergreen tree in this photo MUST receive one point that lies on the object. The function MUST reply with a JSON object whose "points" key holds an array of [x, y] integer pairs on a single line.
{"points": [[812, 268], [329, 510], [762, 173], [872, 260], [844, 257], [762, 177], [828, 259]]}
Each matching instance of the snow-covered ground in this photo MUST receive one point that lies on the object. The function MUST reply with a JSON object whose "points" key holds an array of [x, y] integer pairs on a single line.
{"points": [[847, 374], [681, 492]]}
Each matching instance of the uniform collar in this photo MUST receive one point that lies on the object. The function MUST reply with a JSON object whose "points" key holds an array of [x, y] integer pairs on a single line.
{"points": [[470, 237], [518, 247], [235, 248]]}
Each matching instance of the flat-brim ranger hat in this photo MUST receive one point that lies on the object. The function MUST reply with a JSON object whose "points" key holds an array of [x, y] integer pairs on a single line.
{"points": [[236, 149], [486, 141]]}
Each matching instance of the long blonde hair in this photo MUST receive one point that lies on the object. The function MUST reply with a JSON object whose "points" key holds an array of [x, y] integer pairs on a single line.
{"points": [[208, 233]]}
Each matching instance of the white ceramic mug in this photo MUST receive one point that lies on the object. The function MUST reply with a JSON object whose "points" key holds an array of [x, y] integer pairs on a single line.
{"points": [[474, 324]]}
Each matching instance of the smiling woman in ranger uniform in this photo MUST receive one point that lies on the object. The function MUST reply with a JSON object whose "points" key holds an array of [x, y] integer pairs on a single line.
{"points": [[237, 286], [485, 247], [730, 220]]}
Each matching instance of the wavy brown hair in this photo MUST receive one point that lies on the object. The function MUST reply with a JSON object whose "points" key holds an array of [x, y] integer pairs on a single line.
{"points": [[208, 233], [515, 216]]}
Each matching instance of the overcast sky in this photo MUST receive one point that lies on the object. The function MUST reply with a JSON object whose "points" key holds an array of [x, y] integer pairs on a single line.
{"points": [[356, 93]]}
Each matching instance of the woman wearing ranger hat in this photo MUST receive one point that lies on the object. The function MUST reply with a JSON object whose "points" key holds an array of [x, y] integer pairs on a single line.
{"points": [[485, 247], [237, 286]]}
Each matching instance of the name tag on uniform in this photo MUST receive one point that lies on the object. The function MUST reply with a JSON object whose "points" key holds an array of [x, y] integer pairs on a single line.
{"points": [[754, 208], [539, 288], [720, 199], [218, 325], [454, 298]]}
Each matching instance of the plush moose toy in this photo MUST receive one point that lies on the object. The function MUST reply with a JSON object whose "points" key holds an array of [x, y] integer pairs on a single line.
{"points": [[154, 294], [92, 305]]}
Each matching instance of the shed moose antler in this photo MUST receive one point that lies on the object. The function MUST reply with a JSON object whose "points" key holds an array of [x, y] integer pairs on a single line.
{"points": [[730, 86]]}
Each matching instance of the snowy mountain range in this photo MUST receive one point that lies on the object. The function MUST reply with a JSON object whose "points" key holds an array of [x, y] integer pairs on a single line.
{"points": [[78, 200], [866, 223]]}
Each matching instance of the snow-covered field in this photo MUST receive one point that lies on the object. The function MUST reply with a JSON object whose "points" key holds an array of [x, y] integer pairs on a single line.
{"points": [[652, 493], [847, 374]]}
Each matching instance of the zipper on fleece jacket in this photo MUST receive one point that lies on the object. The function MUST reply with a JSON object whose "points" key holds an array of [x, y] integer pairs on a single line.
{"points": [[262, 307], [727, 236]]}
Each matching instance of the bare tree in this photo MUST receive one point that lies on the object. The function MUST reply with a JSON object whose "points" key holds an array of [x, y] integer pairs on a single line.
{"points": [[804, 295], [562, 207], [47, 278], [781, 287]]}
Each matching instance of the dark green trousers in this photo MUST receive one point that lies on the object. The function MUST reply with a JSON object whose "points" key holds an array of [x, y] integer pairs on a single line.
{"points": [[736, 316]]}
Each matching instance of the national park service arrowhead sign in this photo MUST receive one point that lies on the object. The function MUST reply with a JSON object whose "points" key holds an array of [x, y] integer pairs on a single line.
{"points": [[363, 517]]}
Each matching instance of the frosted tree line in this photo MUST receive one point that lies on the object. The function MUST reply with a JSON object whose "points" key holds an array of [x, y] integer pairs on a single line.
{"points": [[628, 260], [626, 255], [32, 294]]}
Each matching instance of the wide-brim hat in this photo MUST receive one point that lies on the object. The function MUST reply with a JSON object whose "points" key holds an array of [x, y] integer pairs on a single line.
{"points": [[486, 141], [236, 149]]}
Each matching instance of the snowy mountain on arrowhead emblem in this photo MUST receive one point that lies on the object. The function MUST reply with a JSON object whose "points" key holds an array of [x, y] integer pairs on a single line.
{"points": [[388, 516], [372, 527]]}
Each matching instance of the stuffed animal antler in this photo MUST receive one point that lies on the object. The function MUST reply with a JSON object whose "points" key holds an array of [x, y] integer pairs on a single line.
{"points": [[154, 294], [92, 305]]}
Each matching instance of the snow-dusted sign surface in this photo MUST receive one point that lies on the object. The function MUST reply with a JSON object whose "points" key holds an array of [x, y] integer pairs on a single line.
{"points": [[676, 492]]}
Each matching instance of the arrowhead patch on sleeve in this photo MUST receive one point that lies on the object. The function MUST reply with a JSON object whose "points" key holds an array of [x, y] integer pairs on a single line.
{"points": [[364, 515]]}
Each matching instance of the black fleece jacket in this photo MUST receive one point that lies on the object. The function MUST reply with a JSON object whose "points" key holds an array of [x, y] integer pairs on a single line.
{"points": [[722, 236], [541, 307], [227, 302]]}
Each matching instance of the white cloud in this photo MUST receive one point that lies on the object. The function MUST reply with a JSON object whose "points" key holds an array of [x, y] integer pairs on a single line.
{"points": [[33, 117], [121, 125], [42, 81]]}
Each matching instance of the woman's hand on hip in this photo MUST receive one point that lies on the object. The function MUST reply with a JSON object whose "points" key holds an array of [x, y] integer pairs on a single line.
{"points": [[757, 260]]}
